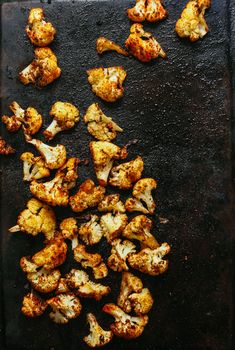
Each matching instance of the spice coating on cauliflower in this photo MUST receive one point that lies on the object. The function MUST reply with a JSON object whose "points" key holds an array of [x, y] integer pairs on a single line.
{"points": [[69, 230], [33, 306], [142, 302], [5, 148], [119, 254], [91, 232], [142, 191], [137, 13], [107, 82], [113, 225], [150, 10], [133, 204], [98, 336], [34, 168], [103, 44], [62, 287], [69, 172], [65, 307], [112, 203]]}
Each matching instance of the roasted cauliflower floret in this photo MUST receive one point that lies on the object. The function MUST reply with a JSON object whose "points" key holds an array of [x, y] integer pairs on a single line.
{"points": [[33, 306], [142, 302], [43, 70], [62, 287], [91, 232], [133, 204], [69, 230], [76, 278], [113, 225], [99, 125], [98, 336], [129, 284], [65, 307], [34, 168], [64, 115], [119, 254], [143, 45], [5, 148], [40, 32], [150, 261], [125, 326], [124, 175], [37, 218], [192, 24], [142, 191], [139, 228], [69, 172], [55, 157], [112, 203], [155, 11], [107, 82], [137, 13], [103, 44], [103, 154], [88, 196], [93, 261], [29, 119]]}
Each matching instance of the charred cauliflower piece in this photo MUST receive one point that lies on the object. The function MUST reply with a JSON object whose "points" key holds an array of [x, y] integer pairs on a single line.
{"points": [[65, 116], [142, 191], [98, 336], [103, 44], [150, 261], [155, 11], [65, 307], [40, 32], [137, 13], [76, 278], [139, 228], [69, 230], [119, 254], [43, 70], [142, 302], [107, 82], [124, 175], [103, 154], [62, 287], [5, 148], [113, 225], [192, 24], [133, 204], [88, 196], [37, 218], [112, 203], [125, 326], [33, 306], [34, 168], [143, 45], [29, 119], [99, 125], [91, 232], [69, 172]]}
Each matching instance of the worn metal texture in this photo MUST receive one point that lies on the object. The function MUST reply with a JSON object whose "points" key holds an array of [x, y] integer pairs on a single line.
{"points": [[180, 112]]}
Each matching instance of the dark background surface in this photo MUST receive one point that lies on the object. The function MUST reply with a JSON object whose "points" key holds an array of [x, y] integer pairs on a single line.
{"points": [[180, 111]]}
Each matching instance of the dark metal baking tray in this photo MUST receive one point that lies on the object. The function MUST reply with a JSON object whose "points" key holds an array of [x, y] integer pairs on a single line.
{"points": [[180, 111]]}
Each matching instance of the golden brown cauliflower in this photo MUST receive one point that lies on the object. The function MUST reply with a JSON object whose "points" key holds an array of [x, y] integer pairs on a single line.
{"points": [[125, 326], [150, 10], [107, 82], [88, 196], [119, 254], [192, 24], [33, 306], [37, 218], [112, 203], [124, 175], [142, 302], [65, 307], [64, 115], [150, 261], [142, 191], [99, 125], [91, 232], [103, 44], [98, 336], [62, 287], [113, 225], [133, 204], [40, 32], [103, 154], [69, 172], [29, 119], [143, 45], [34, 168], [69, 230], [43, 70], [5, 148], [137, 13]]}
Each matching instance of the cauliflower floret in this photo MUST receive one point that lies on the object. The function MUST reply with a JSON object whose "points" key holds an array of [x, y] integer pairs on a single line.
{"points": [[34, 168], [150, 261], [64, 115], [76, 278], [141, 302], [37, 218], [69, 230], [98, 336], [69, 172], [5, 148], [137, 13], [133, 204], [155, 11], [29, 119], [113, 225], [55, 157], [93, 261], [143, 45], [107, 82], [103, 154], [129, 284], [33, 306], [65, 307], [112, 203], [88, 196], [125, 326], [99, 125], [91, 232], [103, 44], [139, 228], [142, 191], [43, 70], [119, 254], [62, 287], [40, 32], [124, 175], [192, 24]]}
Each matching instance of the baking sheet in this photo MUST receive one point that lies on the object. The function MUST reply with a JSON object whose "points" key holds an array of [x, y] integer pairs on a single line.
{"points": [[180, 111]]}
